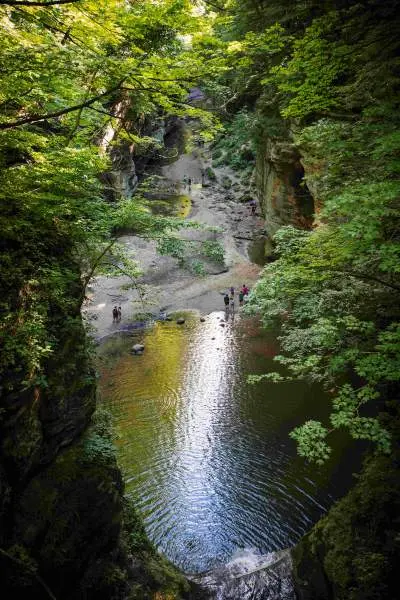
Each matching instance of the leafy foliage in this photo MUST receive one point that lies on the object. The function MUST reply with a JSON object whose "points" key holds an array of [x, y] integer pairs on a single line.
{"points": [[331, 75], [234, 148], [77, 79]]}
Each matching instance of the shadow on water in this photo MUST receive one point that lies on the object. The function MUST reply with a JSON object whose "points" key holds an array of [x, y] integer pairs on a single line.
{"points": [[207, 457]]}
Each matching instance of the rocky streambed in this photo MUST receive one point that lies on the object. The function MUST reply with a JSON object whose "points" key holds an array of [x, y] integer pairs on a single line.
{"points": [[170, 286]]}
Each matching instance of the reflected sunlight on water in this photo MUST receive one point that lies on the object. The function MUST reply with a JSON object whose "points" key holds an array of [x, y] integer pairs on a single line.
{"points": [[207, 457]]}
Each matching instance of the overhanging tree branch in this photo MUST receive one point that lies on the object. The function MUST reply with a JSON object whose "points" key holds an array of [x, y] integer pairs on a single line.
{"points": [[93, 268], [133, 279], [216, 6], [367, 277], [59, 113]]}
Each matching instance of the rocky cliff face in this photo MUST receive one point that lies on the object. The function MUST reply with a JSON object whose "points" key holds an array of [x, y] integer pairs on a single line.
{"points": [[129, 161], [57, 513], [282, 194], [352, 553], [66, 531]]}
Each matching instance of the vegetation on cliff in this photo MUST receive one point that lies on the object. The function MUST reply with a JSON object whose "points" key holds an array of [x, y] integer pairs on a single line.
{"points": [[351, 553], [321, 79], [325, 76], [77, 76], [77, 79]]}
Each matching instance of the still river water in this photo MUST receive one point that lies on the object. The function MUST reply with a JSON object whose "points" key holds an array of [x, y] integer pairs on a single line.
{"points": [[207, 457]]}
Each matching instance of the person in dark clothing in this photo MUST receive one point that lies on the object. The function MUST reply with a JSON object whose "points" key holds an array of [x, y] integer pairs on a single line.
{"points": [[226, 301], [115, 314], [119, 313]]}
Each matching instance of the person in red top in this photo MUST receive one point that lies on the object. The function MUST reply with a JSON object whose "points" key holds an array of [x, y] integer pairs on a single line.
{"points": [[245, 290]]}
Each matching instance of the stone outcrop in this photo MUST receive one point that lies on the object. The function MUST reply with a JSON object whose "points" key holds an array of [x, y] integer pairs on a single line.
{"points": [[352, 552], [282, 194], [129, 161], [66, 530]]}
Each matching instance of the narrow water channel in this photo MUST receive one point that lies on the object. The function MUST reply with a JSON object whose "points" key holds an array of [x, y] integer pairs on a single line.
{"points": [[207, 457]]}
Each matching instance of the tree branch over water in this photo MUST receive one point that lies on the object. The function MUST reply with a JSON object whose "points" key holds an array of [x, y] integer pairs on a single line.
{"points": [[59, 113]]}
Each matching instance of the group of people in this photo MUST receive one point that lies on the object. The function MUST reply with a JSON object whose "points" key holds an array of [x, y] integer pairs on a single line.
{"points": [[117, 314], [229, 299]]}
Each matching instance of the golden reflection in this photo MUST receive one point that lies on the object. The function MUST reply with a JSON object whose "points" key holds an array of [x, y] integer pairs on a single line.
{"points": [[144, 390]]}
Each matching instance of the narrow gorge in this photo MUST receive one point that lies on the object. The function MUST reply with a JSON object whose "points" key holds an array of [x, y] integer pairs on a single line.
{"points": [[156, 157]]}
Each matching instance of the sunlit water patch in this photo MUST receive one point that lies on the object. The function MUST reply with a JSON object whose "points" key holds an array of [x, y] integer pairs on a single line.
{"points": [[207, 457]]}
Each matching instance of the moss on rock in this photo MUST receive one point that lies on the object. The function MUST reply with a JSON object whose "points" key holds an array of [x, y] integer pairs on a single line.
{"points": [[352, 553]]}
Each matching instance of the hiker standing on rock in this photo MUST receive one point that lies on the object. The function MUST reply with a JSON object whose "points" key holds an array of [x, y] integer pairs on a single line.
{"points": [[119, 313], [115, 314]]}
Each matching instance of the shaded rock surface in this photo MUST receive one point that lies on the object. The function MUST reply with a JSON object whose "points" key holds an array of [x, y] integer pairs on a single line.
{"points": [[281, 192], [353, 552]]}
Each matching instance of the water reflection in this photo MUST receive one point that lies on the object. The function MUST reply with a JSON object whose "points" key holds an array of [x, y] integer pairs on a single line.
{"points": [[207, 457]]}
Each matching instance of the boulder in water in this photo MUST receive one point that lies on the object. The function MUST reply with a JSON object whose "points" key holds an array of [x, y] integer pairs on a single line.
{"points": [[138, 348], [202, 319], [180, 321]]}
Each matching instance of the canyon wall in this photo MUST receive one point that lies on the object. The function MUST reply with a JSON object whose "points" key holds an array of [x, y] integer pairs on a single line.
{"points": [[282, 194]]}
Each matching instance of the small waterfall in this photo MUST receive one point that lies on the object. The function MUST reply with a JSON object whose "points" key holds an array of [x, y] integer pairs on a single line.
{"points": [[250, 576]]}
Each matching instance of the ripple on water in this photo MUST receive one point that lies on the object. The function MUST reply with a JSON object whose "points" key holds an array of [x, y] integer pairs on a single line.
{"points": [[207, 457]]}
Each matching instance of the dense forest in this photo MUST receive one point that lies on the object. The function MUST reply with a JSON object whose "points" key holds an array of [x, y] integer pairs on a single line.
{"points": [[86, 83]]}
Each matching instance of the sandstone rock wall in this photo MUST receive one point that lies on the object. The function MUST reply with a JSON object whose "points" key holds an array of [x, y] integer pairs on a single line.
{"points": [[282, 194], [129, 162]]}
